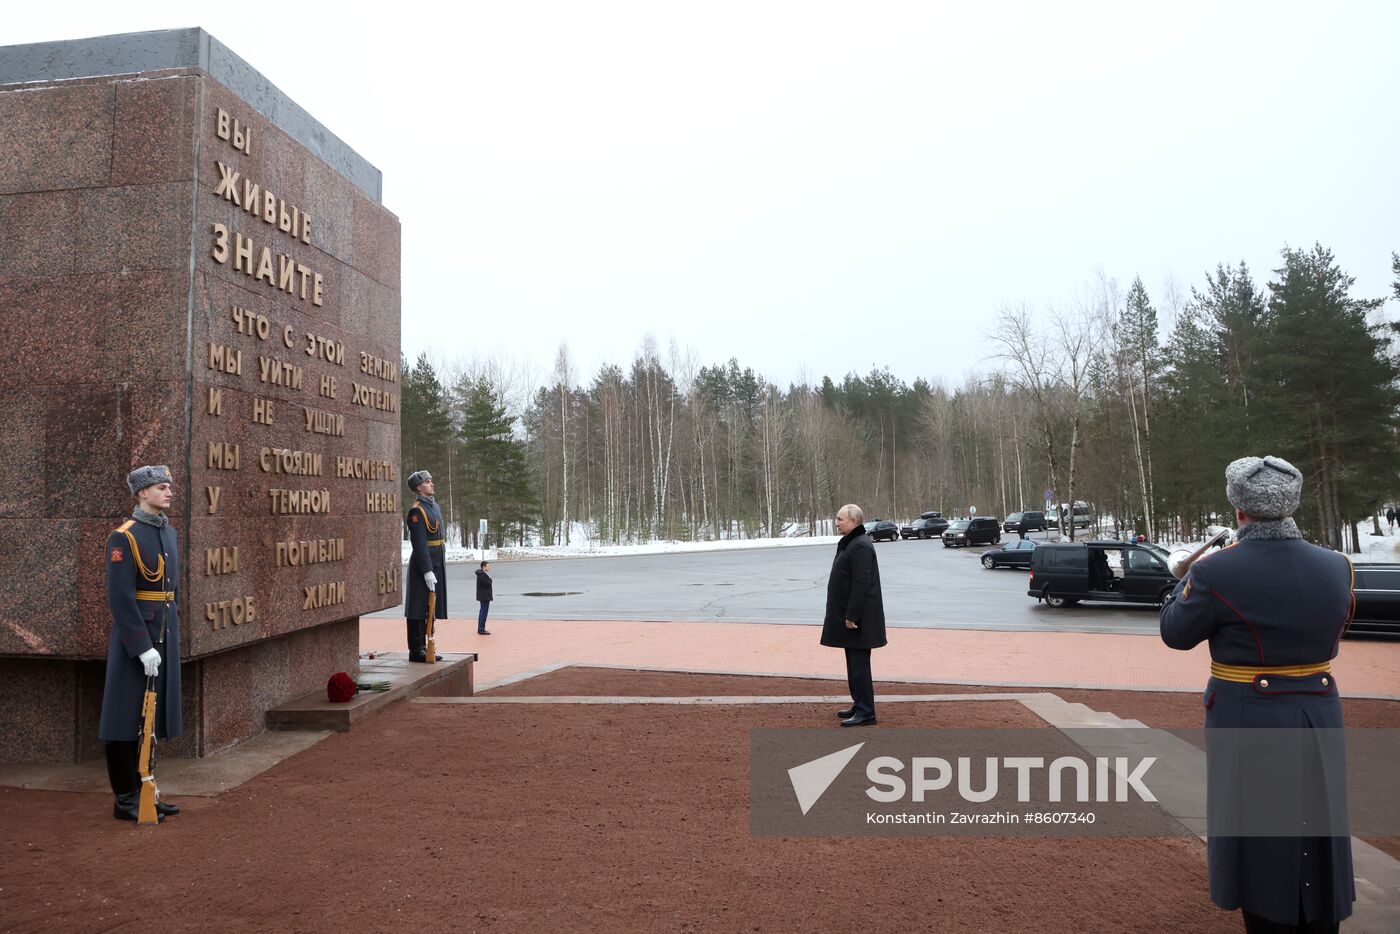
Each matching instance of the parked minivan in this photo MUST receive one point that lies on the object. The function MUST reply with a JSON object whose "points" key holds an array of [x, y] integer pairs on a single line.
{"points": [[983, 531], [1024, 522], [1064, 573]]}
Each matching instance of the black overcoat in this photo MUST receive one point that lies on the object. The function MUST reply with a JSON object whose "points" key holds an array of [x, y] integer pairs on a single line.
{"points": [[425, 533], [853, 592], [137, 626], [1270, 603], [483, 586]]}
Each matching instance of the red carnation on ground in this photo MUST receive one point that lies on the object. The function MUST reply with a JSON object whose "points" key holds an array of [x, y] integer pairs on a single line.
{"points": [[340, 688]]}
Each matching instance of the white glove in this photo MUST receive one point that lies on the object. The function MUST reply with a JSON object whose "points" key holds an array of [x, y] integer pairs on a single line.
{"points": [[431, 580], [151, 660]]}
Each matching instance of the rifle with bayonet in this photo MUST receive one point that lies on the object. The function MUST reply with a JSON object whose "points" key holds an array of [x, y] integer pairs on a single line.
{"points": [[146, 812]]}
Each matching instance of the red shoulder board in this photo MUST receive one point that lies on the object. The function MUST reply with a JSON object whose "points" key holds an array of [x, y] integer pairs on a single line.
{"points": [[116, 554], [413, 517]]}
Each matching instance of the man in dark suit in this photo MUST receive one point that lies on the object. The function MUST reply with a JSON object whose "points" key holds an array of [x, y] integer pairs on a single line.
{"points": [[143, 566], [483, 596], [1273, 608], [855, 612], [427, 568]]}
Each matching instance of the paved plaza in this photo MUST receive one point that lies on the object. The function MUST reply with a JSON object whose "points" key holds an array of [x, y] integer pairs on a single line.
{"points": [[925, 585]]}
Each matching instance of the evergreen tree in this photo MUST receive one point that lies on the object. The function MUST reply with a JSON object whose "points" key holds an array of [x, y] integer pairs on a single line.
{"points": [[1333, 404], [493, 466]]}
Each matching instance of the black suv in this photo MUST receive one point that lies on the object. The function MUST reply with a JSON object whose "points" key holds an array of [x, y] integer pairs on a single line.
{"points": [[1062, 574], [1024, 522], [936, 522], [923, 528], [882, 530], [979, 531]]}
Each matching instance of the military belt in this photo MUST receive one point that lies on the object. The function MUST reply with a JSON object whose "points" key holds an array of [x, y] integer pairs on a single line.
{"points": [[1245, 674], [435, 542], [156, 596]]}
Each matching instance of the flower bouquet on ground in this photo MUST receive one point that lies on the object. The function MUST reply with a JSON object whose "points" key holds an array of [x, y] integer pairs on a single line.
{"points": [[341, 687]]}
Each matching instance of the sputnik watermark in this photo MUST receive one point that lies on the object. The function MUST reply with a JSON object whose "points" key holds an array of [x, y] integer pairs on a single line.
{"points": [[929, 774], [887, 784], [1136, 782]]}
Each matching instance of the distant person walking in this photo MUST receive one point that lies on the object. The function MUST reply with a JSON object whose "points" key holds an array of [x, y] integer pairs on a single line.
{"points": [[1390, 517], [855, 612], [483, 596]]}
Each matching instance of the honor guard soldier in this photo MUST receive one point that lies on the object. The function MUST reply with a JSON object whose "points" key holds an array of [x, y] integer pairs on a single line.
{"points": [[143, 566], [1273, 608], [426, 570]]}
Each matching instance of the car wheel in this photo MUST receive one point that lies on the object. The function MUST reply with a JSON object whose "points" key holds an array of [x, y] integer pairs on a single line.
{"points": [[988, 561], [1055, 600], [1162, 597], [997, 540]]}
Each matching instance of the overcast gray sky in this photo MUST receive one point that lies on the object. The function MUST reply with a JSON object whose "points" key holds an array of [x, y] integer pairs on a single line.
{"points": [[819, 187]]}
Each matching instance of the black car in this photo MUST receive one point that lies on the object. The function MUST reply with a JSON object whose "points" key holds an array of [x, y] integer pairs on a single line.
{"points": [[979, 531], [1377, 589], [1023, 522], [882, 530], [1015, 554], [936, 523], [922, 528], [1064, 573]]}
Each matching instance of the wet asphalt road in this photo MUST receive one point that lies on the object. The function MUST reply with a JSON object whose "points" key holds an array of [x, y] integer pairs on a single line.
{"points": [[925, 586]]}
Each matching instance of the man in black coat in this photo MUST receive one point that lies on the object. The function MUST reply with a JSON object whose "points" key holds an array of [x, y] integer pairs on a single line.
{"points": [[855, 612], [427, 568], [1273, 608], [143, 566], [483, 596]]}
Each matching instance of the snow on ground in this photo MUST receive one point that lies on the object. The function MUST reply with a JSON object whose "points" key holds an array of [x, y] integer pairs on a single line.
{"points": [[1375, 549], [657, 548], [1379, 549], [583, 548]]}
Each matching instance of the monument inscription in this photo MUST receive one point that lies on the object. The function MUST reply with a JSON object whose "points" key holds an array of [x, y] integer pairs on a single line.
{"points": [[223, 267]]}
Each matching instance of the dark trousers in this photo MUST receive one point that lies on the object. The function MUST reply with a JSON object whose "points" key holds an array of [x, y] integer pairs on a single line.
{"points": [[417, 638], [481, 617], [858, 680], [123, 767]]}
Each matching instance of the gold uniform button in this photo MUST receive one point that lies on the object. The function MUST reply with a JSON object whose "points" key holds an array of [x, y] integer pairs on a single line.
{"points": [[1324, 682], [1263, 682]]}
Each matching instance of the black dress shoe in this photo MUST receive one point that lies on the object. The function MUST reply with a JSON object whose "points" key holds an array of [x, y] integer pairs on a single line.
{"points": [[483, 632], [167, 810], [418, 658], [859, 720], [128, 807], [848, 712]]}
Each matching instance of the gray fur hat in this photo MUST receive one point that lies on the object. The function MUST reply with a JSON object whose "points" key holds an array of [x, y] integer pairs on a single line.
{"points": [[1264, 487], [417, 478], [142, 477]]}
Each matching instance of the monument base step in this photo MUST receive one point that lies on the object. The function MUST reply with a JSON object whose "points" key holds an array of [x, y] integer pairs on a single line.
{"points": [[451, 677]]}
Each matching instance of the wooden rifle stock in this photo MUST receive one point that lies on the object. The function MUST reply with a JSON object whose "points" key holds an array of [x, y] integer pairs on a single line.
{"points": [[431, 651], [146, 812]]}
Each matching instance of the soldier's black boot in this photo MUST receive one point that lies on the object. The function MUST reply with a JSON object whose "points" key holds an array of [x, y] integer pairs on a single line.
{"points": [[167, 810], [417, 640], [128, 807]]}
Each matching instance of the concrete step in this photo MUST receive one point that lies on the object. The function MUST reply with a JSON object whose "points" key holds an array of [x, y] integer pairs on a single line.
{"points": [[449, 678]]}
